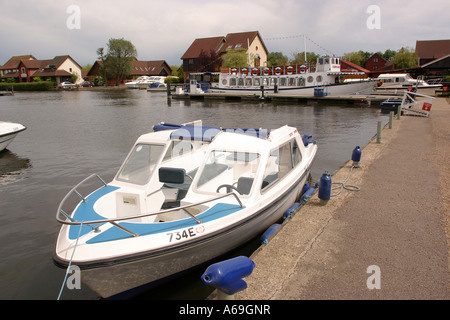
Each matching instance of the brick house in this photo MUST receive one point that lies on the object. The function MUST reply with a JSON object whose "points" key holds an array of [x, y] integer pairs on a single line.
{"points": [[15, 68], [26, 68], [433, 56], [375, 62], [251, 42]]}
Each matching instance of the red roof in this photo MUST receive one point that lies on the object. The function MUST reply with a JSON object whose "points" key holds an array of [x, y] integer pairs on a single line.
{"points": [[350, 66], [13, 62], [432, 48], [232, 41], [205, 44]]}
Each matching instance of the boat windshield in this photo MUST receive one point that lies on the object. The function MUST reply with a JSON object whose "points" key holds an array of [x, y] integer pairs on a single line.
{"points": [[226, 171], [141, 163]]}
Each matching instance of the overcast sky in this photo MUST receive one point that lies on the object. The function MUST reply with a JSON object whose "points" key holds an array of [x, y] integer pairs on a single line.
{"points": [[163, 30]]}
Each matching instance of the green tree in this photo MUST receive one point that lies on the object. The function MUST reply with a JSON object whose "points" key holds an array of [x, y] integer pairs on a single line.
{"points": [[299, 58], [102, 57], [389, 54], [119, 59], [235, 59], [276, 59], [358, 57], [208, 62], [405, 58]]}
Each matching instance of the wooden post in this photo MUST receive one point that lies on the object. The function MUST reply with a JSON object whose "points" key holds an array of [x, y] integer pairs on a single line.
{"points": [[391, 119], [379, 129]]}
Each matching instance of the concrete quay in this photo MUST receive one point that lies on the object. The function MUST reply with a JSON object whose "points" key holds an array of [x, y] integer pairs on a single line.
{"points": [[394, 232]]}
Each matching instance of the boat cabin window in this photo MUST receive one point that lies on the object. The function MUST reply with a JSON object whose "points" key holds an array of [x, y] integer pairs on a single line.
{"points": [[248, 82], [178, 148], [232, 81], [240, 81], [283, 82], [265, 82], [310, 79], [301, 82], [273, 81], [281, 161], [226, 171], [292, 82], [224, 82], [257, 82], [141, 163]]}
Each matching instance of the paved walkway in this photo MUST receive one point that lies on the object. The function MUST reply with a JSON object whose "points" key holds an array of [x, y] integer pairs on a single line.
{"points": [[398, 222]]}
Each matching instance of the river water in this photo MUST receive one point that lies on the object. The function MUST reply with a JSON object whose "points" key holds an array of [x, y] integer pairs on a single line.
{"points": [[72, 134]]}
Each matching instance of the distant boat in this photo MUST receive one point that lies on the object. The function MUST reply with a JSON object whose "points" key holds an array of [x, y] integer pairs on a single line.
{"points": [[134, 83], [326, 79], [144, 84], [8, 131], [403, 81]]}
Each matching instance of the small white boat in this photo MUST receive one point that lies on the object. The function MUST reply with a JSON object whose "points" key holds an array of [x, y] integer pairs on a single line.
{"points": [[183, 196], [134, 83], [146, 83], [402, 81], [8, 131], [326, 79]]}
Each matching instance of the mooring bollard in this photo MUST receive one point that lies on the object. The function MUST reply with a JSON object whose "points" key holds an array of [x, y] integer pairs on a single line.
{"points": [[226, 276], [325, 188], [391, 119], [399, 111], [379, 129]]}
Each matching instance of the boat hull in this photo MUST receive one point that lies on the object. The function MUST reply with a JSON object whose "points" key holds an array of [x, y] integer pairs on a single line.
{"points": [[7, 138], [361, 87], [112, 277]]}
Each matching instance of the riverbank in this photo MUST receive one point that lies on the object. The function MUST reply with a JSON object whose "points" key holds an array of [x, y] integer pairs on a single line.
{"points": [[398, 222]]}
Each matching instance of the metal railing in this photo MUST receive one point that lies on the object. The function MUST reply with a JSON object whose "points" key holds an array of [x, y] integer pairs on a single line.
{"points": [[68, 220]]}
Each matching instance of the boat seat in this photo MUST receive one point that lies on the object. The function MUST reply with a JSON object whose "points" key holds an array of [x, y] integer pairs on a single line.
{"points": [[269, 179], [244, 185]]}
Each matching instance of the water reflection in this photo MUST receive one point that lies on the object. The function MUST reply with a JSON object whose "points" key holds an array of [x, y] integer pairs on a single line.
{"points": [[12, 167]]}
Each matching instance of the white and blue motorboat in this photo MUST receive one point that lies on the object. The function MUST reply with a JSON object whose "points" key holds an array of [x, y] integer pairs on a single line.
{"points": [[183, 196], [8, 131]]}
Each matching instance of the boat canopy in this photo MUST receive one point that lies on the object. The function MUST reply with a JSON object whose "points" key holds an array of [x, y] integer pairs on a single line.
{"points": [[205, 133]]}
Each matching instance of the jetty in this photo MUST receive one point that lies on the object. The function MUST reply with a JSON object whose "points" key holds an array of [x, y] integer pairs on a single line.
{"points": [[389, 240], [369, 100]]}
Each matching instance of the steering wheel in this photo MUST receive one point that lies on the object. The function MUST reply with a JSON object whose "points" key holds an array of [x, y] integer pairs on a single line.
{"points": [[229, 187]]}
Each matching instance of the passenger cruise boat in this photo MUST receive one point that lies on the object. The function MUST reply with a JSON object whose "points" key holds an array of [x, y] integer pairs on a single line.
{"points": [[327, 78], [184, 196]]}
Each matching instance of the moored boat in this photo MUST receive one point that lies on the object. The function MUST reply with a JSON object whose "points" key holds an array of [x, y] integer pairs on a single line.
{"points": [[8, 131], [184, 196], [403, 81], [327, 77]]}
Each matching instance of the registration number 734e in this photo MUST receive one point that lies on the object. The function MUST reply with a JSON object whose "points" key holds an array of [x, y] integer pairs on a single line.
{"points": [[185, 234]]}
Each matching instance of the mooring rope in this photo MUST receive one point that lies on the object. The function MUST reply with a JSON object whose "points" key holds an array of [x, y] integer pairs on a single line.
{"points": [[70, 262], [343, 185]]}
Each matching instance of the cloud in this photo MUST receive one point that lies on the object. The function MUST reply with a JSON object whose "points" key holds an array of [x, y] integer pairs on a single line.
{"points": [[165, 29]]}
